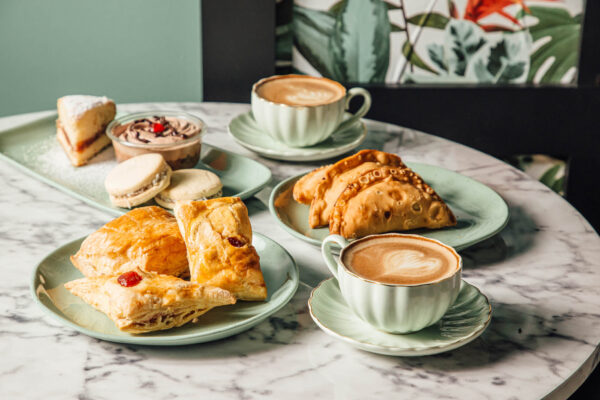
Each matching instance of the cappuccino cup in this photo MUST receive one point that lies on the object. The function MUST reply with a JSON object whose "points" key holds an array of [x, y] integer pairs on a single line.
{"points": [[301, 111], [398, 283]]}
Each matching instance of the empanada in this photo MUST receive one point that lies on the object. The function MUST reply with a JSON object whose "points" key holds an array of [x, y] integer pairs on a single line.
{"points": [[388, 199], [304, 188], [335, 179], [147, 237], [139, 301], [218, 236]]}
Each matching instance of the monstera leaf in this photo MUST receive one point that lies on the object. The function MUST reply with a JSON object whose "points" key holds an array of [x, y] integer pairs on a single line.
{"points": [[506, 61], [360, 43], [564, 31], [312, 30]]}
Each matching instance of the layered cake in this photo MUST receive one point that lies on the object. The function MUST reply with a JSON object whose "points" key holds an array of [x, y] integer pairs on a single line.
{"points": [[80, 126]]}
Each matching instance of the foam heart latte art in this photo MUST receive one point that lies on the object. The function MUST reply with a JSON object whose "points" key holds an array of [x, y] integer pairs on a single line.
{"points": [[408, 260]]}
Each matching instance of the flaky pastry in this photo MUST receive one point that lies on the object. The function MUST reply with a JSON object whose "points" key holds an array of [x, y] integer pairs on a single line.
{"points": [[154, 302], [146, 237], [218, 237]]}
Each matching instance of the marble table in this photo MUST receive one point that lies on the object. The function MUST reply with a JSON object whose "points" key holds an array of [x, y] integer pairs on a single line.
{"points": [[541, 273]]}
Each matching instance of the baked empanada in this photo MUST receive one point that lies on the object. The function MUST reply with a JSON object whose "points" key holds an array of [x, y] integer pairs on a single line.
{"points": [[147, 237], [304, 188], [218, 236], [388, 199], [139, 301], [335, 178]]}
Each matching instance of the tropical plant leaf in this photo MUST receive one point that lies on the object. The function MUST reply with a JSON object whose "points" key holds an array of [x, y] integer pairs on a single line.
{"points": [[336, 8], [312, 32], [397, 28], [360, 42], [436, 54], [509, 58], [431, 20], [549, 177], [462, 40], [559, 185], [411, 55], [392, 6], [564, 31]]}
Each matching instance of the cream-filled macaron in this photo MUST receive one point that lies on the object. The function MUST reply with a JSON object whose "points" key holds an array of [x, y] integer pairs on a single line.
{"points": [[137, 180], [190, 184]]}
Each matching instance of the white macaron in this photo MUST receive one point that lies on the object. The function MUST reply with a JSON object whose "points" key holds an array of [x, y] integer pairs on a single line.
{"points": [[137, 180], [190, 184]]}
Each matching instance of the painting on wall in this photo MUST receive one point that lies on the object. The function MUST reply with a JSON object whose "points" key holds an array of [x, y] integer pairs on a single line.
{"points": [[487, 42]]}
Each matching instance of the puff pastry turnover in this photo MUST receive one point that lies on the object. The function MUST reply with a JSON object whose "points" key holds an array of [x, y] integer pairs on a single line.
{"points": [[388, 199], [146, 237], [334, 179], [218, 236], [154, 303]]}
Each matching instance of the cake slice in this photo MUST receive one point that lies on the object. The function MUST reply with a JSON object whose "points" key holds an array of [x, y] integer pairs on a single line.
{"points": [[80, 126]]}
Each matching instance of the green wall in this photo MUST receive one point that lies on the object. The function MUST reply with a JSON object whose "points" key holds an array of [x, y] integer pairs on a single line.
{"points": [[129, 50]]}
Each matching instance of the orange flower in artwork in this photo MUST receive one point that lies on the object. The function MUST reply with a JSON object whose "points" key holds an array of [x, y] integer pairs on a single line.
{"points": [[479, 9]]}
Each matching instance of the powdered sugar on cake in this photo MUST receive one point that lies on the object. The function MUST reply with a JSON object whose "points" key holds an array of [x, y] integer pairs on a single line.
{"points": [[77, 105]]}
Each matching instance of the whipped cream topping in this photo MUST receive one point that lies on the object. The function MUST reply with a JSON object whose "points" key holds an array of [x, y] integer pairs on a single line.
{"points": [[144, 130]]}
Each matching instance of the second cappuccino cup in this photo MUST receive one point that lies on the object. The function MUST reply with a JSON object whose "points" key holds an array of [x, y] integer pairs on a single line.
{"points": [[395, 282], [301, 111]]}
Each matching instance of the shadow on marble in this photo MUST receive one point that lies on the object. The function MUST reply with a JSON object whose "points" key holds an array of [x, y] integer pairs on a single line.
{"points": [[281, 329], [514, 239]]}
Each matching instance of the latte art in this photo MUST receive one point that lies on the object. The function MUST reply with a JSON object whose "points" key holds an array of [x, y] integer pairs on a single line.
{"points": [[409, 261], [299, 90]]}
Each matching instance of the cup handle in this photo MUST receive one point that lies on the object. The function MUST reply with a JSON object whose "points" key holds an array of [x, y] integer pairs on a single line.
{"points": [[362, 111], [326, 251]]}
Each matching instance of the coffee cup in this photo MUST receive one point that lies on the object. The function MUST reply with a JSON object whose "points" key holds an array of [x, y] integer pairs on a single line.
{"points": [[397, 283], [301, 111]]}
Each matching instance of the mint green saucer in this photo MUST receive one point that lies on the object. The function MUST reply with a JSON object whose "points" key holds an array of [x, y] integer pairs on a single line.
{"points": [[481, 212], [246, 132], [279, 270], [464, 321]]}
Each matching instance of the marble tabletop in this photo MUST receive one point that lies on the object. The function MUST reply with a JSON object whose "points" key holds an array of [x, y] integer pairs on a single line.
{"points": [[541, 274]]}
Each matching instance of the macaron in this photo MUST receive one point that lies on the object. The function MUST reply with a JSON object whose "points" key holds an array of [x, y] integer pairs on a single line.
{"points": [[137, 180], [190, 184]]}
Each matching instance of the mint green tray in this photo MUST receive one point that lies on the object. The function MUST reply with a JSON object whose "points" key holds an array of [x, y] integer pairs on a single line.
{"points": [[34, 149], [278, 267], [481, 212]]}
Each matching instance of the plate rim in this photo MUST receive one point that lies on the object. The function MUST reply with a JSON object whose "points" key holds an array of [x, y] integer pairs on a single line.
{"points": [[118, 211], [292, 155], [190, 338], [402, 351], [315, 242]]}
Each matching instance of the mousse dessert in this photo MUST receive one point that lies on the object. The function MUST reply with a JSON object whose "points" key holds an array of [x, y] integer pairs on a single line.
{"points": [[175, 135]]}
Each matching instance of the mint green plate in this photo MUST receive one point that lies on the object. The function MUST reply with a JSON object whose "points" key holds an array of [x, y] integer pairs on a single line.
{"points": [[465, 320], [34, 149], [481, 212], [278, 267], [247, 133]]}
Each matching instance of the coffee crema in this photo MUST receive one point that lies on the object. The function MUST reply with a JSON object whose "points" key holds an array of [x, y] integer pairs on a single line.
{"points": [[401, 260], [300, 90]]}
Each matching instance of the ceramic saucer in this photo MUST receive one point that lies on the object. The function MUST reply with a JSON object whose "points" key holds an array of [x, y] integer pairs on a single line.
{"points": [[246, 132], [464, 321]]}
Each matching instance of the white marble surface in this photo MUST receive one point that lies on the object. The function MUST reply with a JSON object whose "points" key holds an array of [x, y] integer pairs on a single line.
{"points": [[541, 273]]}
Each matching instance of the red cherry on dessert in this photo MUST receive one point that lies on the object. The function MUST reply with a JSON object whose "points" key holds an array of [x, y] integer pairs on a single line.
{"points": [[129, 279], [157, 127]]}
